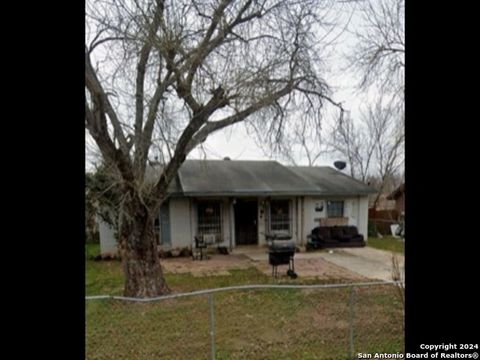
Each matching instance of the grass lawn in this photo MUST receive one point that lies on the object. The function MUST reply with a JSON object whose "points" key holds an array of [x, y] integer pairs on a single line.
{"points": [[92, 250], [387, 243], [253, 324]]}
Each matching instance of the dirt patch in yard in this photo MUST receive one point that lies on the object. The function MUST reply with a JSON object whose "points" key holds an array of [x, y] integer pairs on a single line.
{"points": [[218, 265], [215, 265], [313, 268]]}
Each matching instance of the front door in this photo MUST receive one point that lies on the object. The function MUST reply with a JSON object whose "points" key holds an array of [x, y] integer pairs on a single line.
{"points": [[246, 230]]}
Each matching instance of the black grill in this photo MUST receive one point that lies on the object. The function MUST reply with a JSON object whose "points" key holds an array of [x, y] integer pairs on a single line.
{"points": [[282, 252]]}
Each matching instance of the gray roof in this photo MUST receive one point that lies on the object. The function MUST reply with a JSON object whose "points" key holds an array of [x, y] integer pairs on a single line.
{"points": [[152, 174], [331, 182], [237, 178]]}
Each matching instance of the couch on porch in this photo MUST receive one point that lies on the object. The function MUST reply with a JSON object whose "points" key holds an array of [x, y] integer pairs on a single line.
{"points": [[335, 236]]}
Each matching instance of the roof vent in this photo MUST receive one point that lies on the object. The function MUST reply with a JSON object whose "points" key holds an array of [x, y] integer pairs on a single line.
{"points": [[227, 158]]}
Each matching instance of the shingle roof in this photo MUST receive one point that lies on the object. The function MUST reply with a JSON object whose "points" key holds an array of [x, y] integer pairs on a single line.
{"points": [[152, 173], [236, 178], [332, 182]]}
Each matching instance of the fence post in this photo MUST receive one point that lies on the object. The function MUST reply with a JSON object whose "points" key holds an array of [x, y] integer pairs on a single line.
{"points": [[351, 323], [212, 324]]}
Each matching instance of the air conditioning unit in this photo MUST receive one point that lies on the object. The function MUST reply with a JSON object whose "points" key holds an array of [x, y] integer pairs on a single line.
{"points": [[209, 238]]}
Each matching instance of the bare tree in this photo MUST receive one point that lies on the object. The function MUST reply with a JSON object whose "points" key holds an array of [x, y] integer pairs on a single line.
{"points": [[302, 141], [379, 55], [373, 146], [386, 128], [160, 76], [351, 141]]}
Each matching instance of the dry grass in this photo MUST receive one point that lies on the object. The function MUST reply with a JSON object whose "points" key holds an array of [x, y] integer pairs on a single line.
{"points": [[254, 324]]}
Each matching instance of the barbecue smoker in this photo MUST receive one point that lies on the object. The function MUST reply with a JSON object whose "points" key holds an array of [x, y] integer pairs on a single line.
{"points": [[281, 252]]}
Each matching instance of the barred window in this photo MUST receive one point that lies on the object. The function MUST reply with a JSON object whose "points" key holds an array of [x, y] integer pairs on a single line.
{"points": [[280, 216], [335, 209], [209, 218]]}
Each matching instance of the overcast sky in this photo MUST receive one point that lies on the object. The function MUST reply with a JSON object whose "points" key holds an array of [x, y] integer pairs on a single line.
{"points": [[236, 143]]}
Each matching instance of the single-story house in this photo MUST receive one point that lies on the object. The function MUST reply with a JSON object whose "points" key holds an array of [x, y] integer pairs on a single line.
{"points": [[243, 202]]}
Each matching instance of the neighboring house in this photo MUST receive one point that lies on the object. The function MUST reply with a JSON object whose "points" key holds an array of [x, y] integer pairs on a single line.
{"points": [[383, 202], [236, 203], [399, 196]]}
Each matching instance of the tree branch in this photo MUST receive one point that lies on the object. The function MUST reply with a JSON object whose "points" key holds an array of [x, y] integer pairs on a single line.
{"points": [[140, 154], [96, 90], [240, 116]]}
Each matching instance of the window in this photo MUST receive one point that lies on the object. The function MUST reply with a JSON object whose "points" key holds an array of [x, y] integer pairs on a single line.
{"points": [[280, 216], [334, 209], [209, 219]]}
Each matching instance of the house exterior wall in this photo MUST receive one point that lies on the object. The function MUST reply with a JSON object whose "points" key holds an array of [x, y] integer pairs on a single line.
{"points": [[304, 217], [180, 224], [108, 242], [363, 216], [400, 203], [312, 217], [355, 213], [226, 221]]}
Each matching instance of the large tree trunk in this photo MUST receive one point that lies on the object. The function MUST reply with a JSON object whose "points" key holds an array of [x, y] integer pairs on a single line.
{"points": [[141, 264]]}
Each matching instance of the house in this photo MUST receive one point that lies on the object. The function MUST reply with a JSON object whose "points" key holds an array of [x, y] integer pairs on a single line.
{"points": [[236, 203], [399, 196], [383, 203]]}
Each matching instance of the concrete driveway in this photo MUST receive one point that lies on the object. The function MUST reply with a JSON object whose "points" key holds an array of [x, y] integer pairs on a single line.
{"points": [[353, 263], [369, 262]]}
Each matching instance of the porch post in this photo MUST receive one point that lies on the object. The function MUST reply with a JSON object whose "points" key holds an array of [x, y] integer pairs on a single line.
{"points": [[232, 223]]}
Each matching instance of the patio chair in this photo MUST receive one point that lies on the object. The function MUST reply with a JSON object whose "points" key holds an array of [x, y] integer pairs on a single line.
{"points": [[200, 247]]}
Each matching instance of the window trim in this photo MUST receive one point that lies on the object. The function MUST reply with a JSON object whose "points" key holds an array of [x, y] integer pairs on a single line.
{"points": [[290, 218]]}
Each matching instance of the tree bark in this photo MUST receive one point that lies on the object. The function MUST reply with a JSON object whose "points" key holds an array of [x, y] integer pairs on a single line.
{"points": [[142, 269]]}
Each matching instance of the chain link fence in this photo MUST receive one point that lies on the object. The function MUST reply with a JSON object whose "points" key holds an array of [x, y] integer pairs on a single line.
{"points": [[249, 322]]}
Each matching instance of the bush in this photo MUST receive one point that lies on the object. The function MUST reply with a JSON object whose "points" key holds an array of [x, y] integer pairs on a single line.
{"points": [[92, 237]]}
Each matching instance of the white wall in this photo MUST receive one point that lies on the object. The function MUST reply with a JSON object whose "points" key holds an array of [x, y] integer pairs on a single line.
{"points": [[226, 220], [183, 221], [312, 216], [108, 242], [180, 225], [355, 209], [363, 216]]}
